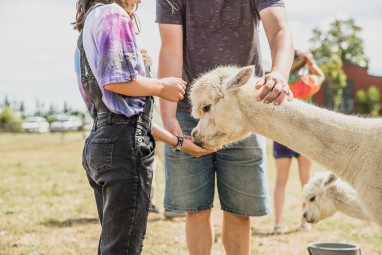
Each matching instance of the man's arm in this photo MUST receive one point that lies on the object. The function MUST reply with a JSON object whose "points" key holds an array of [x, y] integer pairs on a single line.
{"points": [[170, 65], [280, 42]]}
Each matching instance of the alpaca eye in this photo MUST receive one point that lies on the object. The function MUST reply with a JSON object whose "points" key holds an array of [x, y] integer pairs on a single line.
{"points": [[312, 199], [206, 108]]}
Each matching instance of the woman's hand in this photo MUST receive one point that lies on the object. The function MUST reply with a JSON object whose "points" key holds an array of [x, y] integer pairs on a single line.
{"points": [[172, 89], [188, 146], [194, 150]]}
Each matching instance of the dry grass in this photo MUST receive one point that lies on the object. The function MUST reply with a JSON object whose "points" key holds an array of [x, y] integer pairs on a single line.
{"points": [[47, 207]]}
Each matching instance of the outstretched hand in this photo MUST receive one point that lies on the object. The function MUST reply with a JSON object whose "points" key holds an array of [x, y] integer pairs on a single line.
{"points": [[274, 88], [196, 151]]}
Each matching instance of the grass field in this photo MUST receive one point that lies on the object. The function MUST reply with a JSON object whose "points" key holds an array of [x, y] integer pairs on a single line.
{"points": [[47, 207]]}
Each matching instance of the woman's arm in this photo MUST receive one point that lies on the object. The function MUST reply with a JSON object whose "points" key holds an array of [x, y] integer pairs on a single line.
{"points": [[189, 147], [171, 89], [315, 71]]}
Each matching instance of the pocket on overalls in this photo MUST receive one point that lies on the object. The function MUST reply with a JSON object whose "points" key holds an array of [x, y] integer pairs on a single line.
{"points": [[145, 149], [101, 154], [145, 171], [144, 142]]}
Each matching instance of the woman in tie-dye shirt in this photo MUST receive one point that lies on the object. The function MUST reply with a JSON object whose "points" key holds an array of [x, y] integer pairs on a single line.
{"points": [[119, 151]]}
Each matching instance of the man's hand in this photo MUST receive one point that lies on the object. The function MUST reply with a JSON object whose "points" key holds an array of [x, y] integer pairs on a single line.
{"points": [[275, 88]]}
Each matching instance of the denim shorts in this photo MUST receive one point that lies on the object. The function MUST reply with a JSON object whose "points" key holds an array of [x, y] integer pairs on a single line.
{"points": [[240, 171], [281, 151]]}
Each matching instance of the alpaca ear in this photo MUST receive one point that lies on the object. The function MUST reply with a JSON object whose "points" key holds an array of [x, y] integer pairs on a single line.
{"points": [[240, 78], [331, 179]]}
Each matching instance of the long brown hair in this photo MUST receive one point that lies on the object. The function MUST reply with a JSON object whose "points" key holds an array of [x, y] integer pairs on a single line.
{"points": [[299, 61], [84, 5]]}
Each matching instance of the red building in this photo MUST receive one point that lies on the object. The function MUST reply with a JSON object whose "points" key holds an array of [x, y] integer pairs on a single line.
{"points": [[357, 78]]}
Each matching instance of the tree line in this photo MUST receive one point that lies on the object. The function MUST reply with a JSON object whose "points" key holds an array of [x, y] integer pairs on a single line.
{"points": [[12, 113]]}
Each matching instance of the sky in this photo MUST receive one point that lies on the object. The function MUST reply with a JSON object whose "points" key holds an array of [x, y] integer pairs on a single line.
{"points": [[37, 43]]}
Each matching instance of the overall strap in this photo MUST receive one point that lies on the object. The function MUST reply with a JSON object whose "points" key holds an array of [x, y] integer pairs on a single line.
{"points": [[148, 109], [93, 7], [89, 81], [149, 104]]}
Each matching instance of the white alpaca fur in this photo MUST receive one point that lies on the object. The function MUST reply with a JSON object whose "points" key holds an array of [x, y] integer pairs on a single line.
{"points": [[325, 194], [225, 102]]}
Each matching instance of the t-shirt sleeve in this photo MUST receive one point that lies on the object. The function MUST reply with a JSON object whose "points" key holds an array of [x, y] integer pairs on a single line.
{"points": [[117, 51], [169, 12], [318, 79], [262, 4]]}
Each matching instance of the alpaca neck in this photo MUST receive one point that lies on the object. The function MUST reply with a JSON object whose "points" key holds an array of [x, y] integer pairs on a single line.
{"points": [[311, 130], [346, 201]]}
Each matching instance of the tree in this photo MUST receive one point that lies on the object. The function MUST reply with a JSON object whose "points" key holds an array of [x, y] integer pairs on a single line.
{"points": [[67, 110], [38, 111], [22, 108], [369, 101], [342, 43], [51, 114], [6, 102]]}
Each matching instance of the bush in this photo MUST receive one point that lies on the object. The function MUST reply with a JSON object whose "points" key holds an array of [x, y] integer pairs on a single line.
{"points": [[369, 101], [9, 121], [374, 101]]}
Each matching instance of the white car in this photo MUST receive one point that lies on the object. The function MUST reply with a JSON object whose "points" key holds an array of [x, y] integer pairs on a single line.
{"points": [[69, 123], [35, 124]]}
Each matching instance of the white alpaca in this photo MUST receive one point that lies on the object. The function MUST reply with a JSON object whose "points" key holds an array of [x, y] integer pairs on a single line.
{"points": [[325, 194], [225, 102]]}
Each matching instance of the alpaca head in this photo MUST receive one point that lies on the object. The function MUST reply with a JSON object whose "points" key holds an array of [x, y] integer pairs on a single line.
{"points": [[215, 103], [318, 199]]}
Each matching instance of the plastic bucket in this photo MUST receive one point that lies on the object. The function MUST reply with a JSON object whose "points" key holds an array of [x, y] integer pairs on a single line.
{"points": [[334, 249]]}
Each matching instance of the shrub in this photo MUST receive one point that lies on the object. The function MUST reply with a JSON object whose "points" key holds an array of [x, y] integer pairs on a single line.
{"points": [[9, 121], [369, 101]]}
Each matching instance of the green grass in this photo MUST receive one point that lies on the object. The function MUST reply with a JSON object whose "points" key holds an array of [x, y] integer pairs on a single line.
{"points": [[47, 207]]}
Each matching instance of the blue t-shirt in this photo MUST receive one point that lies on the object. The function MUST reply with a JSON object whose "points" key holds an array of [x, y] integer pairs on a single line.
{"points": [[113, 54]]}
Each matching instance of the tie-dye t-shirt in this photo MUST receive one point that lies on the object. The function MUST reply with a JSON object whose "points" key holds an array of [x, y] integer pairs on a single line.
{"points": [[112, 51]]}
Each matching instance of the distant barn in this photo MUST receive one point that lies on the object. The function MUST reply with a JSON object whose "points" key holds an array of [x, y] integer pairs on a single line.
{"points": [[357, 78]]}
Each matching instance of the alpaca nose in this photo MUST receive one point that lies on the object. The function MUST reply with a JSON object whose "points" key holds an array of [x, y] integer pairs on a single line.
{"points": [[196, 140], [304, 215]]}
